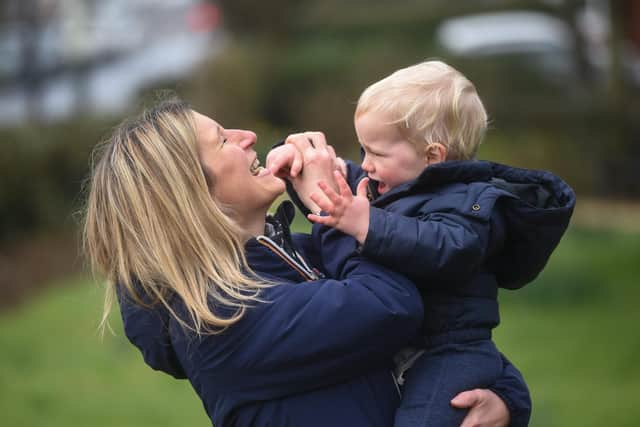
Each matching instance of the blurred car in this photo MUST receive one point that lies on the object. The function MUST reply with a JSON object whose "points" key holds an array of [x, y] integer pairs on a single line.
{"points": [[540, 40]]}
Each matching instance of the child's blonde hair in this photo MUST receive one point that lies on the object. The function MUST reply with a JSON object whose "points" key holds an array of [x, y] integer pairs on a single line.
{"points": [[430, 102]]}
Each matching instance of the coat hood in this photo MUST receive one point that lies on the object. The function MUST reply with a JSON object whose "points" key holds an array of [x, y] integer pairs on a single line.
{"points": [[537, 208]]}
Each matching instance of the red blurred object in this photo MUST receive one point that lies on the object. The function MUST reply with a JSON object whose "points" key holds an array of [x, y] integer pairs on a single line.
{"points": [[203, 17], [633, 22]]}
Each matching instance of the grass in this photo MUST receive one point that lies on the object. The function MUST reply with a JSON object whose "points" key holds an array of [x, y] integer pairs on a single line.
{"points": [[572, 333], [56, 371]]}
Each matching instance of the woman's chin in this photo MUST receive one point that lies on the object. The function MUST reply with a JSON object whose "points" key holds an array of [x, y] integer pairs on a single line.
{"points": [[281, 185], [276, 186]]}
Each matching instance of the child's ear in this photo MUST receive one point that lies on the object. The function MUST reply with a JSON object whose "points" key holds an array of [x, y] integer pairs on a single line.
{"points": [[435, 153]]}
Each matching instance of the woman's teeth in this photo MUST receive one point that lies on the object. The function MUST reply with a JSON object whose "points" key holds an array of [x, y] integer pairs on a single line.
{"points": [[255, 167]]}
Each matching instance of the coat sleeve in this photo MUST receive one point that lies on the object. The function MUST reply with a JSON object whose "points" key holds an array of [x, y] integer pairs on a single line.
{"points": [[314, 334], [147, 329], [443, 243], [513, 390]]}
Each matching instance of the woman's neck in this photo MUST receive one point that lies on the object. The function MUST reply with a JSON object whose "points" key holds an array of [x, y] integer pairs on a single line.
{"points": [[253, 222]]}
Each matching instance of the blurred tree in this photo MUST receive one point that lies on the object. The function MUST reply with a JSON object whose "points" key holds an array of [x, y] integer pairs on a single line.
{"points": [[273, 19], [622, 155], [303, 64], [27, 16]]}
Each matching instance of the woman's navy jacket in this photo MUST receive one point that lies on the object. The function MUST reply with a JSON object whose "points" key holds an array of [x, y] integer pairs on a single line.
{"points": [[317, 354], [461, 230]]}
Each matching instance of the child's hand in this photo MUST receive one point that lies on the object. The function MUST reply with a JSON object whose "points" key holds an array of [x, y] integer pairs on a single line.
{"points": [[345, 212], [284, 161]]}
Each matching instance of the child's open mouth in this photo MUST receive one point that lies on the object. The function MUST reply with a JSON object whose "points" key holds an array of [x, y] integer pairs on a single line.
{"points": [[382, 187]]}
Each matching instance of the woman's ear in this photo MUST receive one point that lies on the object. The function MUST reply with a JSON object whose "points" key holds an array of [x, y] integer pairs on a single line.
{"points": [[435, 153]]}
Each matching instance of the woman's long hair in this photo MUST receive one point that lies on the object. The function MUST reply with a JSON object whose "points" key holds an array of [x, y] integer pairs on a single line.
{"points": [[153, 229]]}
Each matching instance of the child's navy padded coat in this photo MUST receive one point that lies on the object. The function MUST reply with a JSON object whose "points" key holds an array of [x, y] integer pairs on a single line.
{"points": [[463, 229]]}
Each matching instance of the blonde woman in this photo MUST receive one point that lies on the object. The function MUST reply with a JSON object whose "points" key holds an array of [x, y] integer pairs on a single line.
{"points": [[213, 290]]}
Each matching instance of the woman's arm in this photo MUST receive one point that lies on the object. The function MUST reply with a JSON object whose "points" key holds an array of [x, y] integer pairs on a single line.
{"points": [[310, 334], [513, 390], [148, 330]]}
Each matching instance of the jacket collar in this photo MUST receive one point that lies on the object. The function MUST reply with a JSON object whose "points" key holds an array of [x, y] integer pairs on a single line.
{"points": [[439, 175]]}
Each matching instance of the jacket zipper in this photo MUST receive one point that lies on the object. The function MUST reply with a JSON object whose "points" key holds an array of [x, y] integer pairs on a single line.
{"points": [[298, 265]]}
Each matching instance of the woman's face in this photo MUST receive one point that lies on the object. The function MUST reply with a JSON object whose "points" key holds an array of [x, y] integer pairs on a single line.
{"points": [[227, 156]]}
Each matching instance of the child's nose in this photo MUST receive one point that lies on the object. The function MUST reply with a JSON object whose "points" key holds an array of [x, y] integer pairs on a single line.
{"points": [[367, 166]]}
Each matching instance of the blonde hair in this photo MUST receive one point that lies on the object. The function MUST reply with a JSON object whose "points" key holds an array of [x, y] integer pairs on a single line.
{"points": [[430, 102], [153, 229]]}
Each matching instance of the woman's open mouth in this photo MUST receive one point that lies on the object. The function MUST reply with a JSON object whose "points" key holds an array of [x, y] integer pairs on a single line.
{"points": [[255, 167], [256, 170]]}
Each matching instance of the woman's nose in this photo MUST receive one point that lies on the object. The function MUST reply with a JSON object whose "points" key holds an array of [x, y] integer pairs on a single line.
{"points": [[244, 139]]}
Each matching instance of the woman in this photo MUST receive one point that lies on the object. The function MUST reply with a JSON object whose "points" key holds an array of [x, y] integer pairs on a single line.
{"points": [[176, 221]]}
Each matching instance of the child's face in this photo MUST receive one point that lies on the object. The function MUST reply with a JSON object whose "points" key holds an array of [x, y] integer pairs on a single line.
{"points": [[389, 158]]}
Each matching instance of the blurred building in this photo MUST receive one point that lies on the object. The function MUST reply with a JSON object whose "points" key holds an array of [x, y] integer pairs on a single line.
{"points": [[59, 57]]}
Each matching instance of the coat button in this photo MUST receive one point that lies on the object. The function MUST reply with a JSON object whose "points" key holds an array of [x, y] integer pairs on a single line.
{"points": [[475, 207]]}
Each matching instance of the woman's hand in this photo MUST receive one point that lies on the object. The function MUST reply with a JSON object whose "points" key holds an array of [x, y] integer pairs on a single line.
{"points": [[486, 409], [285, 161], [319, 160]]}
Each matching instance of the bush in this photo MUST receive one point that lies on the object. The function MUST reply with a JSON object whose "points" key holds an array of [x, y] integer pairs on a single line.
{"points": [[41, 170]]}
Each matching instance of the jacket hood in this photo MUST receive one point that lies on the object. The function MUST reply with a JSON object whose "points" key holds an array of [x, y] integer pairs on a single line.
{"points": [[537, 207], [534, 206], [148, 330]]}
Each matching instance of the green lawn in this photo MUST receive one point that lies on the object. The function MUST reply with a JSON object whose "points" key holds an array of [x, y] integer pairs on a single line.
{"points": [[55, 370], [573, 333]]}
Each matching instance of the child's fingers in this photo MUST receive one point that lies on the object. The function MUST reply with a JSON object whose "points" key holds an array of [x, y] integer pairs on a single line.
{"points": [[362, 187], [318, 219], [322, 201], [314, 218], [335, 198], [345, 191]]}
